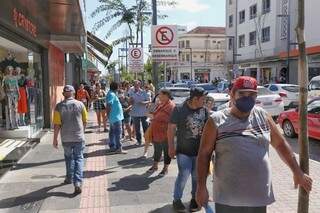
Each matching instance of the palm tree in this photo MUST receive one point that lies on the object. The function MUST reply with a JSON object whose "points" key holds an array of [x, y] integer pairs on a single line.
{"points": [[120, 14]]}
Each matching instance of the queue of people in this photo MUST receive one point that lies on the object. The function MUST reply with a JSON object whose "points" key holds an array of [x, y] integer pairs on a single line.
{"points": [[236, 140]]}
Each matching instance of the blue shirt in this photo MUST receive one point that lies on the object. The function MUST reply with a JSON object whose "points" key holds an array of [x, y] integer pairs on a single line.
{"points": [[139, 109], [116, 112]]}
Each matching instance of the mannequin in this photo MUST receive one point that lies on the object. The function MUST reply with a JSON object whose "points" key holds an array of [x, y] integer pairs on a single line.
{"points": [[22, 102], [11, 88]]}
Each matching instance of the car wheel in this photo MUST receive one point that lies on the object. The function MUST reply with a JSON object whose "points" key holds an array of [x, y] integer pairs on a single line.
{"points": [[288, 129]]}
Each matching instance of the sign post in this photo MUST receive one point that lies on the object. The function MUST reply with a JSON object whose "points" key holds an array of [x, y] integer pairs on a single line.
{"points": [[136, 59]]}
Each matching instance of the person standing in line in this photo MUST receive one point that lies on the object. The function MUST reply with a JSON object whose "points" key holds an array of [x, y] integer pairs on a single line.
{"points": [[241, 136], [83, 96], [115, 114], [126, 107], [151, 87], [187, 120], [139, 100], [99, 106], [159, 126], [70, 118]]}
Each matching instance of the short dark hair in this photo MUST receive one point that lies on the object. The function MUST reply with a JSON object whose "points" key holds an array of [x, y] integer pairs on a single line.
{"points": [[114, 86], [167, 93], [149, 81]]}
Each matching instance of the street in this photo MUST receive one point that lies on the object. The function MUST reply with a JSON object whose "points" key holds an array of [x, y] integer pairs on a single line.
{"points": [[119, 183]]}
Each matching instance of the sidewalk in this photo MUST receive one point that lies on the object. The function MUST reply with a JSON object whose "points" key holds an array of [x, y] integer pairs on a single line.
{"points": [[116, 183]]}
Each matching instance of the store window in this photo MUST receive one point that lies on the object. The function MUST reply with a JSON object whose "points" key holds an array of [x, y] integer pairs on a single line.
{"points": [[21, 88]]}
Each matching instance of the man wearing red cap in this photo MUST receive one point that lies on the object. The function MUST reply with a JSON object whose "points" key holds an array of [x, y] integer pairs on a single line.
{"points": [[240, 136]]}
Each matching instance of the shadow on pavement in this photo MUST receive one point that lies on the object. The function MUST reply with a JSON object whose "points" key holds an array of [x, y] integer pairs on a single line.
{"points": [[91, 174], [102, 143], [134, 163], [28, 165], [165, 209], [134, 183], [34, 196]]}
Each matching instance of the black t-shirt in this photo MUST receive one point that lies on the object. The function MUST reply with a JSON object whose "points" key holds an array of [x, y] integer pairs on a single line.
{"points": [[190, 124]]}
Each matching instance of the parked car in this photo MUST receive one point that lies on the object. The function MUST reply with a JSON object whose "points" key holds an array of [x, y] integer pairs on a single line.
{"points": [[168, 84], [223, 86], [180, 94], [314, 87], [184, 85], [288, 92], [270, 102], [221, 100], [206, 86], [289, 120]]}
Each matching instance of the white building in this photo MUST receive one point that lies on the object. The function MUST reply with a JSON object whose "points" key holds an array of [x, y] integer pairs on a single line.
{"points": [[201, 55], [260, 38]]}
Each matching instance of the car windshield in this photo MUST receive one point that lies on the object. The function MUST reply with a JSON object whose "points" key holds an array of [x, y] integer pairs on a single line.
{"points": [[314, 105], [291, 88], [264, 91], [206, 86], [314, 85], [180, 93]]}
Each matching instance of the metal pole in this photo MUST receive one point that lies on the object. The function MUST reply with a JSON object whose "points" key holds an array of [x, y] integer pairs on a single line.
{"points": [[165, 74], [126, 55], [141, 35], [155, 64], [288, 43], [191, 64]]}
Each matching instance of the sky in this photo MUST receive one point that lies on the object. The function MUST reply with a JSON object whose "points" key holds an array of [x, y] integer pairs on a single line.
{"points": [[190, 13]]}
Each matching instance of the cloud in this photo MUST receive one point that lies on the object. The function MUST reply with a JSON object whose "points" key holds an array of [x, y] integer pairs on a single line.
{"points": [[190, 25], [193, 6]]}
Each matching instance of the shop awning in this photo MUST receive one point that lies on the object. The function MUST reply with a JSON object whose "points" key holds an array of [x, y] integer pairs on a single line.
{"points": [[104, 62], [99, 45]]}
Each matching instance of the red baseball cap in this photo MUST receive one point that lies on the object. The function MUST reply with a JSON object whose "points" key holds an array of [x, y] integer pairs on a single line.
{"points": [[245, 83]]}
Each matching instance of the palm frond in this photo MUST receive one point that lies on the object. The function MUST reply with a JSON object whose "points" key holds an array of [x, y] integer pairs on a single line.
{"points": [[114, 27], [121, 40], [105, 20]]}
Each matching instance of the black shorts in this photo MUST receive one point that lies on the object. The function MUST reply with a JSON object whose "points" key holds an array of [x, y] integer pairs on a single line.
{"points": [[220, 208]]}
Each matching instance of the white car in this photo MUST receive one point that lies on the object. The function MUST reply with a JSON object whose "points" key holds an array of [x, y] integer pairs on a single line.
{"points": [[288, 92], [179, 94], [314, 87], [270, 102], [221, 100]]}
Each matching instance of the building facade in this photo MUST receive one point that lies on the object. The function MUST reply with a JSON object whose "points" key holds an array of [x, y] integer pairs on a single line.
{"points": [[201, 55], [260, 34], [45, 39]]}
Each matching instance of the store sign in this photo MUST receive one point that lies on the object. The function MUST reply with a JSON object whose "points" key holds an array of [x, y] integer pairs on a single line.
{"points": [[21, 21], [164, 43], [136, 59], [202, 70]]}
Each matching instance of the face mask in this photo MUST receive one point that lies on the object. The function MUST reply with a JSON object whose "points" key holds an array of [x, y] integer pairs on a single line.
{"points": [[245, 104]]}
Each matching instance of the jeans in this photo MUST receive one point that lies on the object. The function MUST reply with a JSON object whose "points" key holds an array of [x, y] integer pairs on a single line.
{"points": [[158, 147], [73, 155], [136, 122], [186, 167], [114, 135]]}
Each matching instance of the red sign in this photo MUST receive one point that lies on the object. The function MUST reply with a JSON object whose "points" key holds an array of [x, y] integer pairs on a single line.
{"points": [[23, 22], [164, 35]]}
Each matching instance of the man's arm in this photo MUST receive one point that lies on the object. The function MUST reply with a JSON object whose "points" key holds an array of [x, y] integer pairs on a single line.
{"points": [[286, 154], [171, 132], [206, 148]]}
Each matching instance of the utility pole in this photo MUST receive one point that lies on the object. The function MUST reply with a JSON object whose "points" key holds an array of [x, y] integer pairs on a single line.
{"points": [[303, 202], [154, 63]]}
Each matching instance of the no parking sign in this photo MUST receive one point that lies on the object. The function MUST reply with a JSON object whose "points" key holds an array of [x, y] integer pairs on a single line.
{"points": [[136, 59], [164, 43]]}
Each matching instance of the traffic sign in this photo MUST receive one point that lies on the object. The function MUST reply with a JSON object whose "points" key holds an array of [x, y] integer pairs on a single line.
{"points": [[164, 43], [136, 59]]}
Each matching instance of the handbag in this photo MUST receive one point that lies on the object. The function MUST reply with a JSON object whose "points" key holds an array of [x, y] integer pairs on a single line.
{"points": [[148, 135]]}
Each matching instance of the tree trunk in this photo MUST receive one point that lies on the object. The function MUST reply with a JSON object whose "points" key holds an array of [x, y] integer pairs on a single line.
{"points": [[303, 203]]}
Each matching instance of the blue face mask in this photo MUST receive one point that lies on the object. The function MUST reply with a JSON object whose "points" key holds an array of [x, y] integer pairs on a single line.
{"points": [[245, 104]]}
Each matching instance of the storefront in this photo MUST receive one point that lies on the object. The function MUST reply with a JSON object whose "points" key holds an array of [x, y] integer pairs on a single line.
{"points": [[202, 75], [33, 45]]}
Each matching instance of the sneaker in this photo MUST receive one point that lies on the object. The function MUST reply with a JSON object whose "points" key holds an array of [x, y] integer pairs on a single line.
{"points": [[163, 172], [138, 144], [67, 181], [178, 206], [193, 206], [121, 151], [77, 190]]}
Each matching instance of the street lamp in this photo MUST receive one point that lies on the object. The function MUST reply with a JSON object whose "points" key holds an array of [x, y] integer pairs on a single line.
{"points": [[191, 71], [234, 54]]}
